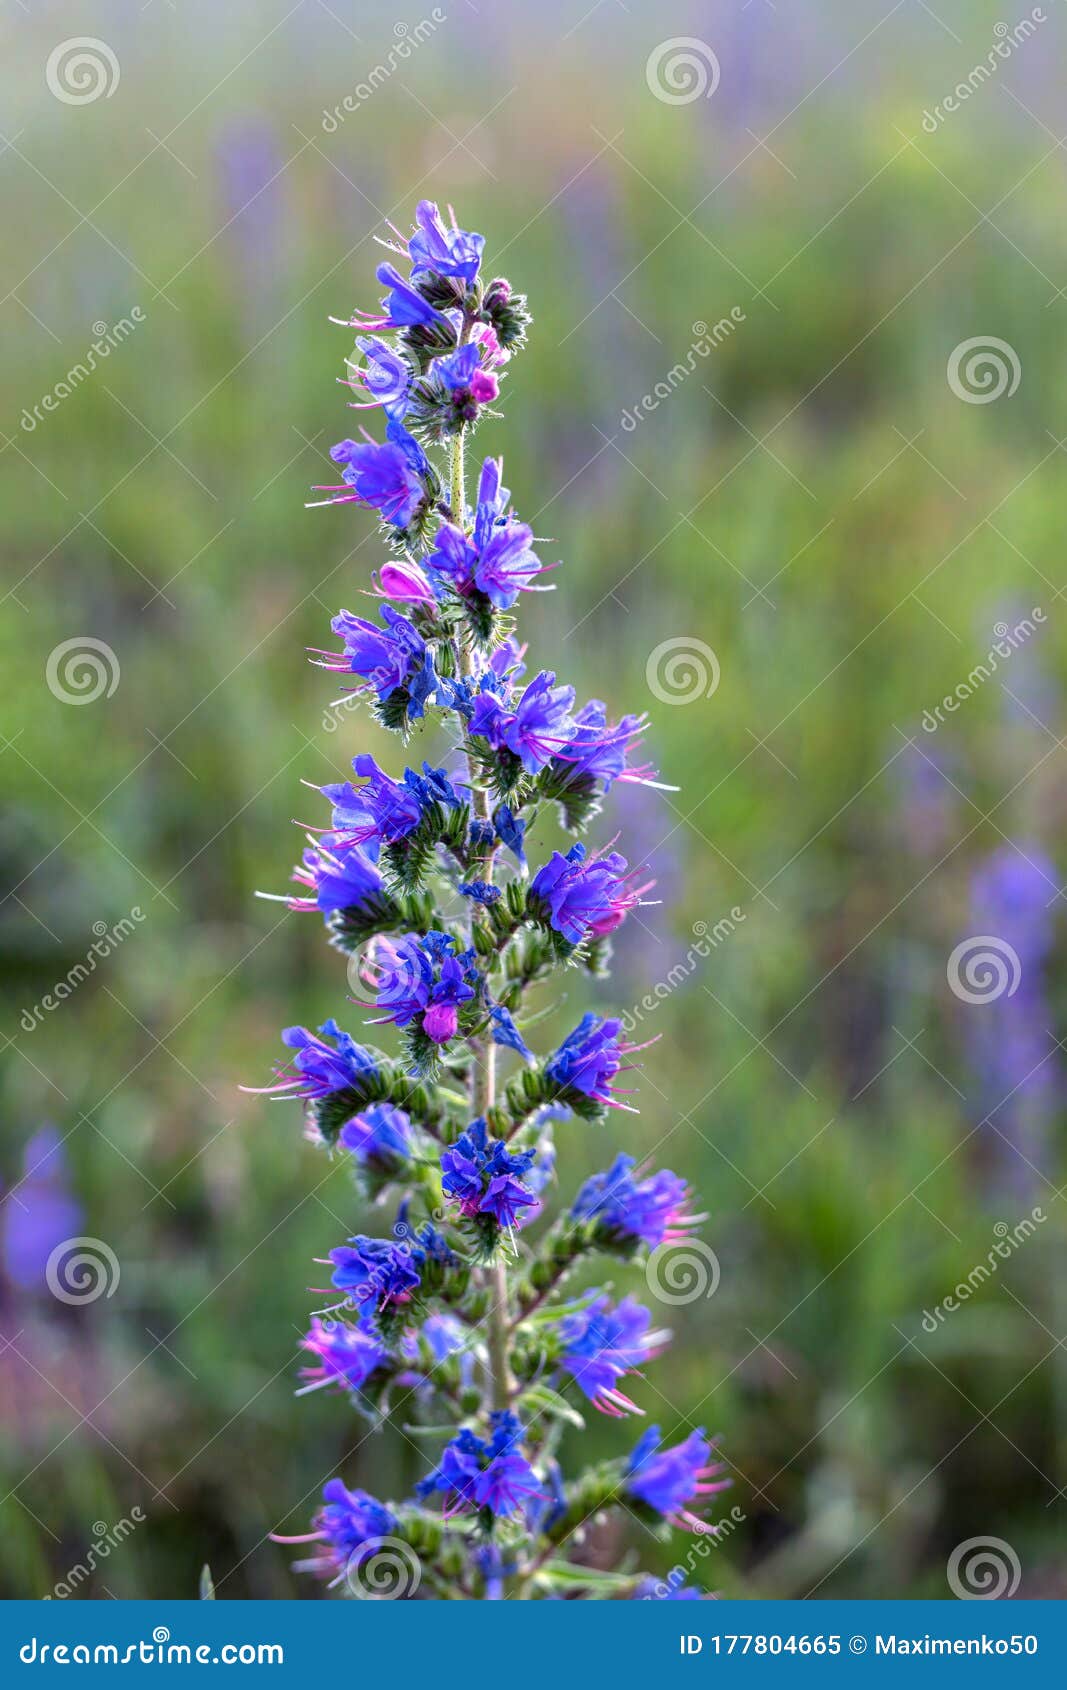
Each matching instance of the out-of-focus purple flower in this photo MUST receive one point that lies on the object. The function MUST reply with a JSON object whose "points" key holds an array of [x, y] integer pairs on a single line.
{"points": [[1020, 1076], [380, 1138], [40, 1212], [345, 1356], [350, 1526], [476, 1473], [601, 1344], [667, 1480]]}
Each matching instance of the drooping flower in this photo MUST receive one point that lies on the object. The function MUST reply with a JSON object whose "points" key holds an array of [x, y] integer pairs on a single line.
{"points": [[667, 1480], [489, 1473], [601, 1344], [350, 1527], [318, 1070], [381, 812], [392, 477], [589, 1058], [339, 877], [586, 897], [506, 1033], [386, 658], [346, 1356], [510, 830], [629, 1211], [535, 729]]}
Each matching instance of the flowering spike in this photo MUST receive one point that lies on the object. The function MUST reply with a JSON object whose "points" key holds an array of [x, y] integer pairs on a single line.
{"points": [[455, 1314]]}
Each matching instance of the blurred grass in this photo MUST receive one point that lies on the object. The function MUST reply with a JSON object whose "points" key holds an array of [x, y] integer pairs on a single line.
{"points": [[846, 580]]}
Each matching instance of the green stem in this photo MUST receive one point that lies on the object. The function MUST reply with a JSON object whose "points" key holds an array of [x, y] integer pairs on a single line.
{"points": [[483, 1068]]}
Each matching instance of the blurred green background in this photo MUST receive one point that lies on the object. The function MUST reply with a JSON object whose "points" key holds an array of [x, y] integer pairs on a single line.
{"points": [[815, 503]]}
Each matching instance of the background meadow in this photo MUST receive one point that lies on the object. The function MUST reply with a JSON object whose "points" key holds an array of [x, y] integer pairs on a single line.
{"points": [[811, 500]]}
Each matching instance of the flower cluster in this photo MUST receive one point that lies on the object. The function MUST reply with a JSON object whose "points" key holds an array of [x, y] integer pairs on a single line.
{"points": [[459, 1315]]}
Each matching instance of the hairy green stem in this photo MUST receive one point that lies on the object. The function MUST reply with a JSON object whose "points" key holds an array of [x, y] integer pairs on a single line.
{"points": [[483, 1068]]}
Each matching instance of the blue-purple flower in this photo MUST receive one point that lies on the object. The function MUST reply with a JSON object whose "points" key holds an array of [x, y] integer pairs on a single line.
{"points": [[381, 812], [667, 1480], [392, 477], [628, 1211], [379, 1138], [422, 978], [484, 1178], [319, 1069], [603, 1342], [589, 1058], [346, 1356], [485, 1473], [598, 749], [386, 658], [535, 729], [385, 375], [350, 1526], [338, 877], [586, 898], [442, 250], [376, 1275]]}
